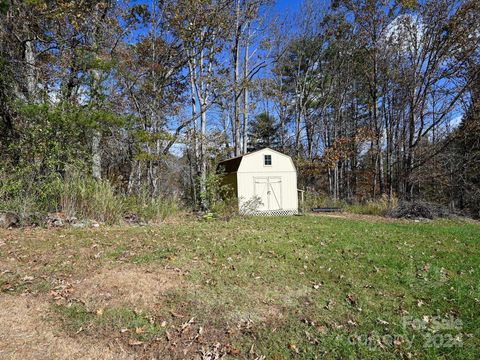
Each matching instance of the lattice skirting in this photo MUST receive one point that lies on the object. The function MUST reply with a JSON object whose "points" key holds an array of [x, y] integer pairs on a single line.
{"points": [[281, 212]]}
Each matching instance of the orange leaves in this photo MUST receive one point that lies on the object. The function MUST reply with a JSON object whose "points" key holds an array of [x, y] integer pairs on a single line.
{"points": [[345, 146]]}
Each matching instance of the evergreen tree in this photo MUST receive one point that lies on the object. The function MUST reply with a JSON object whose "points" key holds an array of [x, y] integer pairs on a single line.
{"points": [[263, 133]]}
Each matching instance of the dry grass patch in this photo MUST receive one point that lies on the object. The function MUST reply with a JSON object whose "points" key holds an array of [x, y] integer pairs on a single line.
{"points": [[362, 217], [129, 286], [26, 334]]}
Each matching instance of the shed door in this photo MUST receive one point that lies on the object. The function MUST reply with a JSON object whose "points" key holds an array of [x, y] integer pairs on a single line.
{"points": [[269, 189]]}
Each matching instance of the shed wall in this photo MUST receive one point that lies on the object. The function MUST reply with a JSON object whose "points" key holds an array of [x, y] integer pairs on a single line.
{"points": [[246, 188], [252, 166]]}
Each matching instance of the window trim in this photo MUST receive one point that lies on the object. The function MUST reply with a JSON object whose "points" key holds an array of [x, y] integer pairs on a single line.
{"points": [[265, 160]]}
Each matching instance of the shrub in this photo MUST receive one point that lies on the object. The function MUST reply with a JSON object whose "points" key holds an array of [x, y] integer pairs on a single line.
{"points": [[76, 196], [148, 208], [86, 198], [221, 202], [24, 194], [378, 207]]}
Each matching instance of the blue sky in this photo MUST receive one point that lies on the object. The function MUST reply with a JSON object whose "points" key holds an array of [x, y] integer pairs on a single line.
{"points": [[285, 5]]}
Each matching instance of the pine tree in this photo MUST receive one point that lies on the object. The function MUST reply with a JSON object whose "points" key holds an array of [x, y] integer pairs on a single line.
{"points": [[263, 133]]}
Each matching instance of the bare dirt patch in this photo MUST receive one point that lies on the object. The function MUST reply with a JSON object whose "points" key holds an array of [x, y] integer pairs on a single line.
{"points": [[131, 286], [26, 334], [351, 216]]}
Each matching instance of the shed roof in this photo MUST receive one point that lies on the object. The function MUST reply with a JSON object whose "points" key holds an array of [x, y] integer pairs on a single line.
{"points": [[232, 164]]}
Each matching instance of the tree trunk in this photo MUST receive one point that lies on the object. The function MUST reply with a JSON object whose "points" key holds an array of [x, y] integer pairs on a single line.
{"points": [[96, 133], [236, 71], [31, 72], [246, 105], [203, 156], [96, 155]]}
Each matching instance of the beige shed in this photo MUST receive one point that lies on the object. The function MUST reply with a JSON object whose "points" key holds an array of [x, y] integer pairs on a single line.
{"points": [[264, 181]]}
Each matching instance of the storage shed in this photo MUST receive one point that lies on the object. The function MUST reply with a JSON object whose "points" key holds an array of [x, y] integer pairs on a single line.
{"points": [[264, 181]]}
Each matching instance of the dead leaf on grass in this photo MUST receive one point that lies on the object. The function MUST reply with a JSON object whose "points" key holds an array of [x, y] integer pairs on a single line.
{"points": [[293, 347], [176, 315], [321, 329], [135, 342], [7, 287], [351, 299], [330, 304], [351, 323], [186, 325]]}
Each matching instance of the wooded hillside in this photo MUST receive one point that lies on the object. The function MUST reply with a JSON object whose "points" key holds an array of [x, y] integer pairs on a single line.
{"points": [[374, 99]]}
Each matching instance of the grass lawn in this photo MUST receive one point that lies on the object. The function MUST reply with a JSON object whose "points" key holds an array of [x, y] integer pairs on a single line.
{"points": [[257, 288]]}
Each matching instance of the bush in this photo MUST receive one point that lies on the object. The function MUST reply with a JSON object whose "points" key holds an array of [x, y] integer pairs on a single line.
{"points": [[22, 194], [78, 197], [100, 201], [379, 207], [86, 198], [219, 197], [148, 208]]}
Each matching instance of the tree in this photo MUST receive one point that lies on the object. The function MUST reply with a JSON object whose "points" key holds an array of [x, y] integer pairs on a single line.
{"points": [[202, 27], [263, 133]]}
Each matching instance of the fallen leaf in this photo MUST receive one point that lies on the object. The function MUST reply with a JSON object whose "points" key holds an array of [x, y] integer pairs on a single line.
{"points": [[330, 304], [351, 299], [321, 329], [187, 324], [318, 286], [174, 314], [234, 351], [398, 341], [293, 347], [135, 342], [7, 286]]}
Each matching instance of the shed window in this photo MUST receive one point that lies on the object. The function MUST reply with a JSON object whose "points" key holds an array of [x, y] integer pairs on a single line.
{"points": [[267, 160]]}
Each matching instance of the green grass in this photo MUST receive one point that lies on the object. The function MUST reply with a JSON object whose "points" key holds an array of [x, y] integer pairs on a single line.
{"points": [[293, 287], [76, 318]]}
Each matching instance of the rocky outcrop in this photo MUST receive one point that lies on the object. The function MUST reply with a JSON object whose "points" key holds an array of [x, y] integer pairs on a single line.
{"points": [[9, 219]]}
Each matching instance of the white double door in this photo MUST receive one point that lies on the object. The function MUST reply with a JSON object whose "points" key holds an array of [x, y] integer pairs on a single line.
{"points": [[269, 190]]}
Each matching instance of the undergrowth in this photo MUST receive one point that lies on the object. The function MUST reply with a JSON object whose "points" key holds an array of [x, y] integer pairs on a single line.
{"points": [[82, 198]]}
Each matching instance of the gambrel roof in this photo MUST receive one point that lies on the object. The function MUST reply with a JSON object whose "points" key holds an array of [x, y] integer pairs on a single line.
{"points": [[233, 164]]}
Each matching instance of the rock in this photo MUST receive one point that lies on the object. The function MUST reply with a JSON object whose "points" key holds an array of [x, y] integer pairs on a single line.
{"points": [[55, 220], [71, 220], [9, 219], [131, 218], [95, 224], [34, 219], [78, 225]]}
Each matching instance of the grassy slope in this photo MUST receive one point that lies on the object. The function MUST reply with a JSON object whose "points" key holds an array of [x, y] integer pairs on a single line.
{"points": [[291, 287]]}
